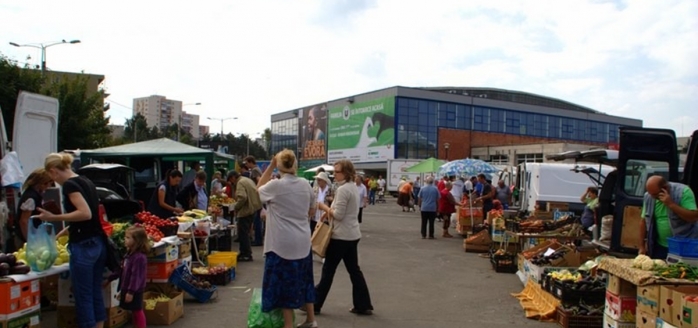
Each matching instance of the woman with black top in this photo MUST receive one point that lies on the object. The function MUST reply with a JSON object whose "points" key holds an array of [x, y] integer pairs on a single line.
{"points": [[87, 239], [31, 199], [164, 200]]}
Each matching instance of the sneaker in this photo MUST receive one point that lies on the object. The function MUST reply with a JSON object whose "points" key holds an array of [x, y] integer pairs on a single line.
{"points": [[312, 324]]}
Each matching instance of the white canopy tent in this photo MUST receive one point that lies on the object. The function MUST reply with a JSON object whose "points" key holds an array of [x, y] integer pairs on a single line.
{"points": [[328, 168]]}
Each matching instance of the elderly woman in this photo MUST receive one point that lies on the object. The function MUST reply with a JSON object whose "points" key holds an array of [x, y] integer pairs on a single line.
{"points": [[288, 266], [322, 190], [447, 206], [30, 202], [405, 196], [87, 239], [344, 243]]}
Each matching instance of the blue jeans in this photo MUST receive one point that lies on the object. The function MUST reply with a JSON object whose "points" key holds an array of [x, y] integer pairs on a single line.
{"points": [[258, 228], [87, 265], [372, 197]]}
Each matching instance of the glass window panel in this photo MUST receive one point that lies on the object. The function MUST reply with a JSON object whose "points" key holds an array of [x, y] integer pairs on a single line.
{"points": [[554, 127], [423, 107], [497, 120]]}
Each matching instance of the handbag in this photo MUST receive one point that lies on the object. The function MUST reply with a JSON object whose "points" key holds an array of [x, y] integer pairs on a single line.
{"points": [[114, 256], [321, 238]]}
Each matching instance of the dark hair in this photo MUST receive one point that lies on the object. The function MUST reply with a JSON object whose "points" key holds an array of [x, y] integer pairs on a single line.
{"points": [[250, 159], [482, 175], [201, 175], [594, 190], [232, 174], [140, 238], [320, 169], [195, 164], [171, 174]]}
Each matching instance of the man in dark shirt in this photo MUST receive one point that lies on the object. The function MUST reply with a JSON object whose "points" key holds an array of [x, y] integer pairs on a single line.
{"points": [[255, 174], [487, 194]]}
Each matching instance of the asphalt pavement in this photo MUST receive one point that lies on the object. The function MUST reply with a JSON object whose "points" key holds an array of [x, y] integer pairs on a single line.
{"points": [[414, 283]]}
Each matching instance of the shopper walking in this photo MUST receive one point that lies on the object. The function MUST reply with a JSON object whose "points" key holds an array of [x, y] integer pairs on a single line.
{"points": [[428, 199], [247, 203], [363, 198], [288, 265], [87, 246], [447, 206], [344, 242]]}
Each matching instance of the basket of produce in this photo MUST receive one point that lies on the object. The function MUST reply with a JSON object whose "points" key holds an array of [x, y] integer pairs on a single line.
{"points": [[202, 291], [502, 262], [218, 275], [588, 289], [580, 316]]}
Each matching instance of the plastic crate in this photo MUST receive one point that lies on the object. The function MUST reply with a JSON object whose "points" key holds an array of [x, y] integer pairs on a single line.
{"points": [[227, 259], [568, 320], [504, 263], [571, 296], [180, 278], [220, 279], [684, 247]]}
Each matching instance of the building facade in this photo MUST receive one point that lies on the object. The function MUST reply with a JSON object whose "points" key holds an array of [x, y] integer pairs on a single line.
{"points": [[162, 113], [442, 122], [190, 123], [203, 130]]}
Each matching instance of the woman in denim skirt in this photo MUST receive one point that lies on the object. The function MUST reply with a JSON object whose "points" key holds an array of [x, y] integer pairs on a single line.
{"points": [[87, 245]]}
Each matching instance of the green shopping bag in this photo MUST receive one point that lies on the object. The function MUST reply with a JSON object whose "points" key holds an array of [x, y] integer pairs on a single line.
{"points": [[258, 319]]}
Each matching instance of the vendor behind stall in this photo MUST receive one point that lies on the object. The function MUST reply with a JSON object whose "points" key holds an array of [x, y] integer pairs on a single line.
{"points": [[195, 195], [669, 210], [591, 199], [164, 200]]}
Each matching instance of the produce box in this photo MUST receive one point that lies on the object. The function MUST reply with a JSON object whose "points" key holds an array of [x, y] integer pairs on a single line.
{"points": [[219, 276], [660, 323], [29, 320], [499, 236], [65, 292], [116, 317], [183, 279], [185, 249], [648, 299], [566, 319], [541, 248], [49, 287], [645, 320], [185, 261], [160, 272], [465, 220], [470, 248], [18, 299], [620, 287], [505, 263], [689, 312], [226, 259], [164, 253], [608, 322], [164, 313], [671, 302], [685, 247], [556, 206], [620, 308], [480, 238]]}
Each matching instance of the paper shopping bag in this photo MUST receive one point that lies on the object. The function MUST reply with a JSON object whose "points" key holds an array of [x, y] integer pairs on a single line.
{"points": [[321, 238]]}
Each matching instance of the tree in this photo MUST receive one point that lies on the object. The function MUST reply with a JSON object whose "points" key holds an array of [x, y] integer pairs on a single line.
{"points": [[81, 120], [136, 129], [14, 79], [267, 139]]}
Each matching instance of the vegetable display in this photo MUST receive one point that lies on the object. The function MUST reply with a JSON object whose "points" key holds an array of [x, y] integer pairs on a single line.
{"points": [[542, 260], [9, 264], [152, 302], [148, 218], [153, 232]]}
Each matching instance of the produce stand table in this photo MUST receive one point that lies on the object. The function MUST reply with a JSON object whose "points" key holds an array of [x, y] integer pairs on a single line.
{"points": [[32, 275], [522, 237]]}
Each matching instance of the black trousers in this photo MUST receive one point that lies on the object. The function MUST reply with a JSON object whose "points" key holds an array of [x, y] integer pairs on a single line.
{"points": [[428, 219], [361, 212], [312, 226], [347, 251], [244, 226]]}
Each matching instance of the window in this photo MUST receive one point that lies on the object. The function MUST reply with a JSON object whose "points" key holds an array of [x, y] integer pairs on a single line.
{"points": [[613, 130], [540, 125], [481, 119], [513, 123], [567, 128], [529, 158], [463, 117], [497, 120], [637, 173], [499, 159]]}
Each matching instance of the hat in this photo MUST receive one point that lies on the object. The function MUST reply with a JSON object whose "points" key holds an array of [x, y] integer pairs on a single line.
{"points": [[323, 176]]}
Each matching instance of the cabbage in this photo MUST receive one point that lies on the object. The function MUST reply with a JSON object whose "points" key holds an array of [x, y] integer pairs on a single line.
{"points": [[660, 263]]}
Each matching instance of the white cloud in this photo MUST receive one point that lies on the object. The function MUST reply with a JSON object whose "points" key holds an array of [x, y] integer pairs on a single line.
{"points": [[253, 59]]}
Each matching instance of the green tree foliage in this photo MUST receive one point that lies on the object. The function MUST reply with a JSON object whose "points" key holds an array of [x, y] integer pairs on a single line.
{"points": [[138, 123], [14, 79], [81, 120]]}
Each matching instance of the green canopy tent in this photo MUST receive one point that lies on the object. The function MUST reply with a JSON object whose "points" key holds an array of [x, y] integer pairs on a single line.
{"points": [[163, 149], [426, 166]]}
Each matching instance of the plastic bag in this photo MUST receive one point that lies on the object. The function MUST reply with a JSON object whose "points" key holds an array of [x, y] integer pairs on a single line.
{"points": [[11, 170], [41, 250], [258, 319]]}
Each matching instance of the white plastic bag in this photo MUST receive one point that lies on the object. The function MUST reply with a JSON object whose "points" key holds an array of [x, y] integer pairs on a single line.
{"points": [[454, 219], [11, 170]]}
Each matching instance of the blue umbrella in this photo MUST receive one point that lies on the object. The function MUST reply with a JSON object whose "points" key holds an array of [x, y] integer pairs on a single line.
{"points": [[466, 167]]}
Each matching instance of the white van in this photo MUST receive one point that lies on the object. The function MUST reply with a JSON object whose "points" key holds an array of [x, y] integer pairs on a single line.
{"points": [[540, 183]]}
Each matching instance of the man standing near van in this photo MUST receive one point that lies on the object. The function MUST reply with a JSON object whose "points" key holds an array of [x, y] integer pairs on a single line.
{"points": [[669, 210], [487, 195]]}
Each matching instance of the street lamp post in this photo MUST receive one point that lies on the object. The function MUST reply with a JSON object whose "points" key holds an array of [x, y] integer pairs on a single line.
{"points": [[179, 125], [222, 120], [43, 49], [446, 146]]}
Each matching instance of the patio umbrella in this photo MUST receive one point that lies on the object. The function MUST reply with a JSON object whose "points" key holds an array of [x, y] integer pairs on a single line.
{"points": [[426, 166], [466, 167]]}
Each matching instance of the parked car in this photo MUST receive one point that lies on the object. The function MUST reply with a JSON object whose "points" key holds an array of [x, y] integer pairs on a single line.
{"points": [[113, 182]]}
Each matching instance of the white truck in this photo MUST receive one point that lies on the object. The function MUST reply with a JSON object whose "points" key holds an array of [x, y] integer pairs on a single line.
{"points": [[540, 183], [396, 171]]}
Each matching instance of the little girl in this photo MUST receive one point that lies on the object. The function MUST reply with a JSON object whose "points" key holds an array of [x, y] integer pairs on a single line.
{"points": [[133, 274]]}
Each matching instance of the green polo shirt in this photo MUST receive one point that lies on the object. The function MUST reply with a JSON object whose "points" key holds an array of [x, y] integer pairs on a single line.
{"points": [[661, 214]]}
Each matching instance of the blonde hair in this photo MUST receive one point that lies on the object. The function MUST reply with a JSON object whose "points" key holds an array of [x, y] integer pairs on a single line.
{"points": [[58, 161], [286, 161], [36, 178], [347, 169]]}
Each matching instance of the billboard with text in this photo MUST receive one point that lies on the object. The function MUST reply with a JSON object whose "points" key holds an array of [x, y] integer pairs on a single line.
{"points": [[362, 131]]}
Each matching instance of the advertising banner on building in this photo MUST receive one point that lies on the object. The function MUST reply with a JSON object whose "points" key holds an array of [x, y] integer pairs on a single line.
{"points": [[312, 129], [362, 132]]}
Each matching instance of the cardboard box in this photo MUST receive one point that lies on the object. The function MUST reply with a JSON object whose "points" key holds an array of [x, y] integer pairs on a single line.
{"points": [[620, 287], [648, 299], [66, 318], [185, 249], [163, 253], [660, 323], [689, 314], [499, 236], [645, 320], [165, 313], [671, 303], [620, 308], [160, 272], [65, 292], [18, 299], [465, 220], [186, 261], [553, 206], [608, 322], [29, 320], [49, 287], [468, 248]]}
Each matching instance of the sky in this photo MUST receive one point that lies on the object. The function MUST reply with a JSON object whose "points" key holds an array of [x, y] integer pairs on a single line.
{"points": [[251, 59]]}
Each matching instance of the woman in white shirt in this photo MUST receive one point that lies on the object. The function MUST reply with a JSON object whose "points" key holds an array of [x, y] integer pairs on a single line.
{"points": [[288, 266], [363, 195], [344, 243], [322, 190]]}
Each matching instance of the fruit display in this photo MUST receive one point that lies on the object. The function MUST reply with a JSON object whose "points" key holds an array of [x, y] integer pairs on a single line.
{"points": [[209, 270], [200, 233], [542, 260], [216, 201], [184, 219], [153, 232], [195, 213], [565, 275], [198, 283], [584, 310], [150, 303], [10, 264], [147, 218], [119, 234]]}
